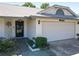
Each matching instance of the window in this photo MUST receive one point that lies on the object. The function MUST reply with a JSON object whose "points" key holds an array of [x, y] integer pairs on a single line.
{"points": [[59, 12]]}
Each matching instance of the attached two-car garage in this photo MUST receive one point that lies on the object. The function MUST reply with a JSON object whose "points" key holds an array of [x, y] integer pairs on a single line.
{"points": [[58, 30]]}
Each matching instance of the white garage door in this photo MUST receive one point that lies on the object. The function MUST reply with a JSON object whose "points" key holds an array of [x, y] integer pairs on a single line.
{"points": [[58, 30]]}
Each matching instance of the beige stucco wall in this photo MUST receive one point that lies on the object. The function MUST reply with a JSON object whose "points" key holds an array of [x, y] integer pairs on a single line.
{"points": [[10, 31], [39, 26], [7, 30], [2, 27], [31, 28]]}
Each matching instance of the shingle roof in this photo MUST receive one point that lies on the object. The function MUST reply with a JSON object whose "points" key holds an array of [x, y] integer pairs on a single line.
{"points": [[55, 16], [44, 14], [9, 10], [60, 6], [16, 11]]}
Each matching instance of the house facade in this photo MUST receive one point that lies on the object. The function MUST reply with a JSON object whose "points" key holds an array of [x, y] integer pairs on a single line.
{"points": [[56, 22]]}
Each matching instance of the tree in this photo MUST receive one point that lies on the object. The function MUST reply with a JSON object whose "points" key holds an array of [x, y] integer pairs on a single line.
{"points": [[28, 4], [44, 5]]}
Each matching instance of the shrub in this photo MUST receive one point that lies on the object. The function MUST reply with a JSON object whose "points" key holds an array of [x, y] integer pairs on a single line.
{"points": [[41, 42], [5, 45]]}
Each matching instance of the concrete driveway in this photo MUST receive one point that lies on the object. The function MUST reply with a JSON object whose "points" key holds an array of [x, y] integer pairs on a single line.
{"points": [[65, 47]]}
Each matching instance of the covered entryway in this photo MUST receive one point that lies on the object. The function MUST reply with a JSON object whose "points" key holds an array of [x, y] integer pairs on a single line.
{"points": [[58, 30]]}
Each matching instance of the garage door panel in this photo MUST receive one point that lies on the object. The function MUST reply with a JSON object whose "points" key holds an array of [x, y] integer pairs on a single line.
{"points": [[57, 30]]}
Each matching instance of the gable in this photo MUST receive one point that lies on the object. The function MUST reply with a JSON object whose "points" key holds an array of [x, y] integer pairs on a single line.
{"points": [[58, 11]]}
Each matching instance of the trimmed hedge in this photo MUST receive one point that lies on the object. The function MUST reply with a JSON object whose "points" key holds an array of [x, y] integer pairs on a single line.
{"points": [[41, 42]]}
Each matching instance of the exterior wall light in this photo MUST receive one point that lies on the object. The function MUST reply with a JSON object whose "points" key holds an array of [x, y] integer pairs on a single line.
{"points": [[61, 20], [38, 21], [77, 22]]}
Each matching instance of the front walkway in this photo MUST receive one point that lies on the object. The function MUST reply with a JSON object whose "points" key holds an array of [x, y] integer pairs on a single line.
{"points": [[23, 50], [65, 47]]}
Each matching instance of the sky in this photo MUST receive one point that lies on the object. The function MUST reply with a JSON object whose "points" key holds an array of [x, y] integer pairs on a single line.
{"points": [[73, 5]]}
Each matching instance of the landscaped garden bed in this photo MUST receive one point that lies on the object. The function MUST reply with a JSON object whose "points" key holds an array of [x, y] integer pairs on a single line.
{"points": [[32, 46], [7, 47], [37, 43]]}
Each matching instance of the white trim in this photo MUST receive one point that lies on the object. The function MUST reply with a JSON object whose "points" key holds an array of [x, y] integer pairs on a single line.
{"points": [[37, 49]]}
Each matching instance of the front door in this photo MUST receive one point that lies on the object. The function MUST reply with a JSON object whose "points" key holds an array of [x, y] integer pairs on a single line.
{"points": [[19, 28]]}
